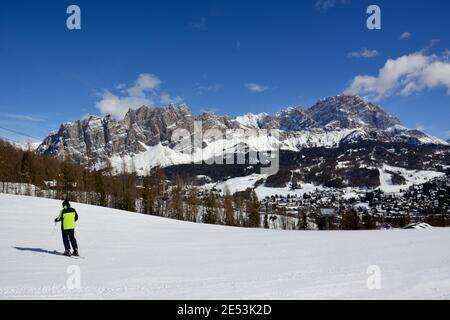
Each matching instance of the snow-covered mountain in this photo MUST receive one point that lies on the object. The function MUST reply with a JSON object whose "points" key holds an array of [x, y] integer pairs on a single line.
{"points": [[27, 146], [133, 256], [144, 136], [351, 112], [290, 119]]}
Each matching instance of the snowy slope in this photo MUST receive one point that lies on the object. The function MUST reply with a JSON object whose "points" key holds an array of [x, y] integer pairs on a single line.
{"points": [[160, 155], [412, 177], [243, 183], [238, 184], [136, 256], [25, 146]]}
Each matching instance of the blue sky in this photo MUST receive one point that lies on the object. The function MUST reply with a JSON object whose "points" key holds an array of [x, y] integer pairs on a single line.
{"points": [[228, 56]]}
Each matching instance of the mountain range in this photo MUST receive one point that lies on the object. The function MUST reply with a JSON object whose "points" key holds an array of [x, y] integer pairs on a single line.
{"points": [[143, 137]]}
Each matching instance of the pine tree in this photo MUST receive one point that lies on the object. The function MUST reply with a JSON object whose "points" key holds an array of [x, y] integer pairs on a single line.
{"points": [[368, 221], [193, 203], [158, 182], [302, 223], [211, 214], [148, 199], [100, 187], [283, 217], [268, 213], [254, 219], [127, 189], [350, 220], [321, 222], [229, 210], [177, 199], [239, 205]]}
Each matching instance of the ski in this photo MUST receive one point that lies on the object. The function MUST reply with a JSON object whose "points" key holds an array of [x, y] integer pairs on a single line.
{"points": [[77, 257], [62, 254]]}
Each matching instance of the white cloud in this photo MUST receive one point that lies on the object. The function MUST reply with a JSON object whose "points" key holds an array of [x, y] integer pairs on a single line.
{"points": [[209, 110], [430, 45], [405, 35], [422, 127], [254, 87], [201, 89], [364, 53], [144, 83], [405, 75], [199, 25], [118, 106], [323, 5], [143, 92], [437, 74], [166, 99], [446, 54]]}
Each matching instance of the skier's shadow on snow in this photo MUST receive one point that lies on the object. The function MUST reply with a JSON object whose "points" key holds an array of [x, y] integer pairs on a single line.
{"points": [[38, 250]]}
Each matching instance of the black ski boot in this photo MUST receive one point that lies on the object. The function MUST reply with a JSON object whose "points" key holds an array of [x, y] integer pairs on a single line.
{"points": [[75, 253], [67, 253]]}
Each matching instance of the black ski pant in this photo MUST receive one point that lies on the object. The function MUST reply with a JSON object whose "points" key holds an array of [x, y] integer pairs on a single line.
{"points": [[69, 238]]}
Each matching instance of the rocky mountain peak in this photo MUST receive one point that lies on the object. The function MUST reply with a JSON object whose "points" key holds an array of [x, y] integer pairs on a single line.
{"points": [[350, 111], [289, 119], [251, 121]]}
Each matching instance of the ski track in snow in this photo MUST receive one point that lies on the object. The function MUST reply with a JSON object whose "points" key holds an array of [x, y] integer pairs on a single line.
{"points": [[133, 256]]}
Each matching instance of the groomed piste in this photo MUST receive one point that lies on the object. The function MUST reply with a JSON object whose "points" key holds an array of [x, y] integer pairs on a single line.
{"points": [[133, 256]]}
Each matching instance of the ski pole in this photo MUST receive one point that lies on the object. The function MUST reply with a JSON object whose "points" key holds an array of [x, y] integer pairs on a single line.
{"points": [[75, 235], [54, 226]]}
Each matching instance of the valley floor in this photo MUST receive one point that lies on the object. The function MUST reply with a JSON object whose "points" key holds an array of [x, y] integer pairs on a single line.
{"points": [[132, 256]]}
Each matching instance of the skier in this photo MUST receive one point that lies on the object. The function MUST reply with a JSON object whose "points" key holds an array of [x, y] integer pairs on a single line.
{"points": [[67, 217]]}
